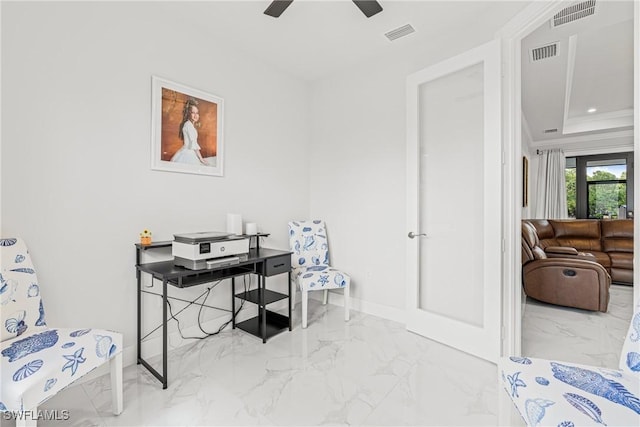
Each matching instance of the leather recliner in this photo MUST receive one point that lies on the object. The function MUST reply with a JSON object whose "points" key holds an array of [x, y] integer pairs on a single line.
{"points": [[610, 241], [562, 277]]}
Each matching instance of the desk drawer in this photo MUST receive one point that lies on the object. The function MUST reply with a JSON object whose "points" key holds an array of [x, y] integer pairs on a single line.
{"points": [[278, 265]]}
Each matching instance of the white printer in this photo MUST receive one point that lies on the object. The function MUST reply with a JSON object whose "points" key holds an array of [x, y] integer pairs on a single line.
{"points": [[208, 249]]}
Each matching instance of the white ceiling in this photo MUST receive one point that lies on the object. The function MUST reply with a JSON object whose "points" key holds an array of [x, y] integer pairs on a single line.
{"points": [[314, 38], [593, 69]]}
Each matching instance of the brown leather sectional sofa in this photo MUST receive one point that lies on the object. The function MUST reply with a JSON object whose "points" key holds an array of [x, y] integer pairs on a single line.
{"points": [[562, 275], [610, 242]]}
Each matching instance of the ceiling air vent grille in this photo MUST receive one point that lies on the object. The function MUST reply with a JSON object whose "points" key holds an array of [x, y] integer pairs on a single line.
{"points": [[550, 130], [405, 30], [543, 52], [573, 13]]}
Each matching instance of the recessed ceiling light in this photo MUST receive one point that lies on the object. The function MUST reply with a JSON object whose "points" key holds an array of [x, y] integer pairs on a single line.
{"points": [[592, 110]]}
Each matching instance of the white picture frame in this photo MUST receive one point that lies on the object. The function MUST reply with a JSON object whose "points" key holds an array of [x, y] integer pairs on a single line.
{"points": [[172, 138]]}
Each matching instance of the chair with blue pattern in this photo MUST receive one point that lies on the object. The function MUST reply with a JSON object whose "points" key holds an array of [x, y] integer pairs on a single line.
{"points": [[37, 361], [310, 264], [563, 394]]}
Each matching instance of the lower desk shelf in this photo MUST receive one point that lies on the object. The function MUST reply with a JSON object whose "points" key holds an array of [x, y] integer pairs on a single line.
{"points": [[276, 323], [254, 296]]}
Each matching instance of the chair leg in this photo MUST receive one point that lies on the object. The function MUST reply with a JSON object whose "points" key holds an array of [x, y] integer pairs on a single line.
{"points": [[346, 303], [305, 302], [325, 297], [115, 365], [28, 418]]}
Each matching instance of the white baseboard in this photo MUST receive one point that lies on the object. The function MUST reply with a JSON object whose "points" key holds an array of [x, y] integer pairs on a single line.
{"points": [[372, 308]]}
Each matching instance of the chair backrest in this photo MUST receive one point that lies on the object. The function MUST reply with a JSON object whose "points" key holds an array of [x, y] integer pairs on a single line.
{"points": [[308, 241], [630, 357], [20, 303], [531, 249]]}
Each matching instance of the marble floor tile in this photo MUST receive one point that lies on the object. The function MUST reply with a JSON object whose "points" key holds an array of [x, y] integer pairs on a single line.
{"points": [[368, 371], [579, 336]]}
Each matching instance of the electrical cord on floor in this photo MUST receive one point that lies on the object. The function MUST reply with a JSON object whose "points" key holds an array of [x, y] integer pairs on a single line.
{"points": [[206, 294], [224, 325], [183, 308]]}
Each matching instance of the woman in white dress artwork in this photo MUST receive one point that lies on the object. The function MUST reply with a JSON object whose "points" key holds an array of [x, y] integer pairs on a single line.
{"points": [[190, 151]]}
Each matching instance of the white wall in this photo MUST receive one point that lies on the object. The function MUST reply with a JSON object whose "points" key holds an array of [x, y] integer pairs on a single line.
{"points": [[76, 178], [358, 177], [76, 182]]}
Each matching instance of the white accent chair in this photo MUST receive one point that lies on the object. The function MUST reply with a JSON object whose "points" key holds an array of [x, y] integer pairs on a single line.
{"points": [[37, 361], [310, 264], [552, 393]]}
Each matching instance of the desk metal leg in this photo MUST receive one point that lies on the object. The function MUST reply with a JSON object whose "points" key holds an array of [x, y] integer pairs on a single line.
{"points": [[263, 308], [164, 334], [289, 274], [233, 303], [138, 274], [162, 378]]}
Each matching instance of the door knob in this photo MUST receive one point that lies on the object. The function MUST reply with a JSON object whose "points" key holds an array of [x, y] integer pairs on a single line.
{"points": [[411, 235]]}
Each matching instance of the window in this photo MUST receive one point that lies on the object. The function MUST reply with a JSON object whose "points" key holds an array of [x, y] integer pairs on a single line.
{"points": [[570, 178], [606, 187], [597, 186]]}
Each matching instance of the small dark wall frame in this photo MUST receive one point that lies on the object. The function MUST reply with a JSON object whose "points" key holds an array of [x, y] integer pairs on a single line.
{"points": [[525, 181]]}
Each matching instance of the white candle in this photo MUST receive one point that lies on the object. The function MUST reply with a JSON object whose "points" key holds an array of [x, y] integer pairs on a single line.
{"points": [[251, 228]]}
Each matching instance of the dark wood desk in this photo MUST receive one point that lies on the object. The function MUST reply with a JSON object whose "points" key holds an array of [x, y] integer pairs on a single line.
{"points": [[260, 261]]}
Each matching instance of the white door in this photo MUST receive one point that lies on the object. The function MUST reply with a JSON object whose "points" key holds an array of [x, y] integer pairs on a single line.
{"points": [[454, 174]]}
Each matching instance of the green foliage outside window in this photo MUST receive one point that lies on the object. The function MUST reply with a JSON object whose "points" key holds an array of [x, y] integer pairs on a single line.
{"points": [[570, 178], [606, 197]]}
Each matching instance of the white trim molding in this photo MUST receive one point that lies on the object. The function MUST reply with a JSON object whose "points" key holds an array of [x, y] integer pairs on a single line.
{"points": [[608, 142], [532, 17], [511, 35]]}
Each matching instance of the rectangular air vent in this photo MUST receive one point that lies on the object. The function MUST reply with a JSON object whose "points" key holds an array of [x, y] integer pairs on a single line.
{"points": [[405, 30], [573, 13], [550, 130], [543, 52]]}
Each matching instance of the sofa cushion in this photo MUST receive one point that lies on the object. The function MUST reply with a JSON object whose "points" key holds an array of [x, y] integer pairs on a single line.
{"points": [[543, 228], [622, 275], [617, 229], [530, 244], [585, 228], [583, 235], [618, 245], [621, 260], [602, 258]]}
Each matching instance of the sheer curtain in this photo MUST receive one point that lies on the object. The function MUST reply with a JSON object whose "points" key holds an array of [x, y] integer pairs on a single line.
{"points": [[551, 200]]}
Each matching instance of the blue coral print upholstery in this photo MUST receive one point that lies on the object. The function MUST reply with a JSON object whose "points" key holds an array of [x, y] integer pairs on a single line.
{"points": [[310, 258], [553, 393], [37, 361]]}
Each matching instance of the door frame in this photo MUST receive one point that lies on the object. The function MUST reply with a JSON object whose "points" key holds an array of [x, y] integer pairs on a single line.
{"points": [[511, 36]]}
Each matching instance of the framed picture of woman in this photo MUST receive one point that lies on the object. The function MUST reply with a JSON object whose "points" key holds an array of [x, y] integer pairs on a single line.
{"points": [[186, 134]]}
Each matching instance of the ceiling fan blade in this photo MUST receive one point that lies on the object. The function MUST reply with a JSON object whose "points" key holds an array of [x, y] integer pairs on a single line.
{"points": [[276, 7], [368, 7]]}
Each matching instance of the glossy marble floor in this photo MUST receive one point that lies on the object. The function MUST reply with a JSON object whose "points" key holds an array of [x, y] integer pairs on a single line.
{"points": [[579, 336], [369, 371]]}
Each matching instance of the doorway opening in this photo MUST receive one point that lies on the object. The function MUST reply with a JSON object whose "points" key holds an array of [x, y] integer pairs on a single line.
{"points": [[579, 135]]}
